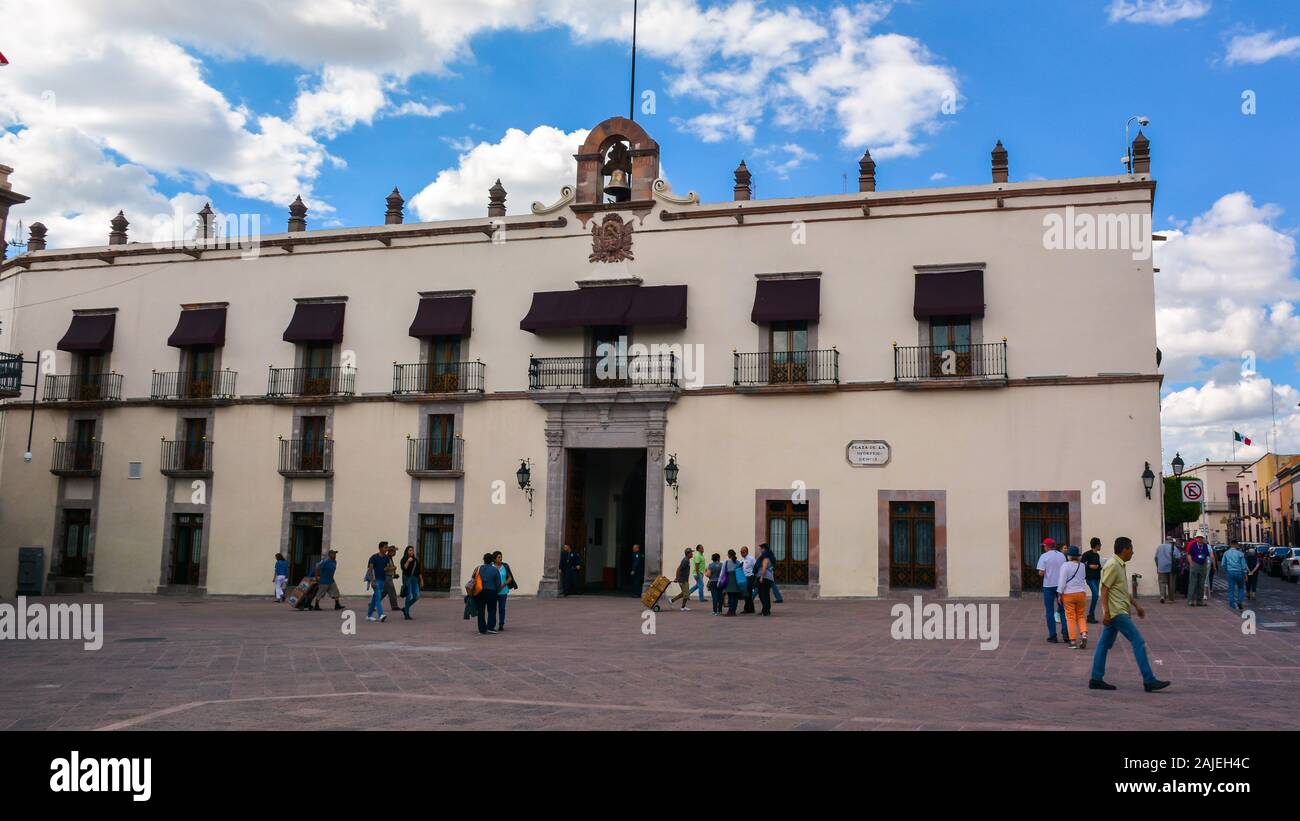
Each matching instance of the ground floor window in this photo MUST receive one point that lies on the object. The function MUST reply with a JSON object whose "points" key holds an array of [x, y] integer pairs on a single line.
{"points": [[436, 532], [187, 548], [911, 540], [1038, 521], [787, 535]]}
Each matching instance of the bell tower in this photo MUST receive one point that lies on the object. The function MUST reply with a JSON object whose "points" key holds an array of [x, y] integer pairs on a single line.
{"points": [[618, 163]]}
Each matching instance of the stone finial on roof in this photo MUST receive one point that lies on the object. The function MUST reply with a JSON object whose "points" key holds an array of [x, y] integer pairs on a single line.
{"points": [[999, 163], [36, 242], [866, 172], [393, 213], [497, 200], [118, 235], [1141, 154], [744, 189], [297, 215], [207, 225]]}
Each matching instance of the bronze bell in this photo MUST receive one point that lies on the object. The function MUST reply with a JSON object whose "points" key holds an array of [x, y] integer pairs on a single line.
{"points": [[618, 187]]}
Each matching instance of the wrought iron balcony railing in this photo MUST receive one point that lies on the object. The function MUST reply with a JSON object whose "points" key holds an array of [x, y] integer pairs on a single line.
{"points": [[77, 458], [11, 374], [434, 455], [306, 457], [83, 387], [181, 385], [821, 367], [186, 458], [332, 381], [438, 377], [612, 371], [988, 359]]}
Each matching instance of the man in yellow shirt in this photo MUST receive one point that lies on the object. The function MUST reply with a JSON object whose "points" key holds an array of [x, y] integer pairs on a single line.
{"points": [[1116, 604]]}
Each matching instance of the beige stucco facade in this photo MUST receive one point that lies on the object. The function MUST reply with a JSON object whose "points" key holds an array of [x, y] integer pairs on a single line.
{"points": [[1073, 418]]}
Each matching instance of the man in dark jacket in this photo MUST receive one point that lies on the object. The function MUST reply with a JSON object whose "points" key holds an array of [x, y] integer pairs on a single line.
{"points": [[1092, 575], [638, 568], [487, 597], [569, 567]]}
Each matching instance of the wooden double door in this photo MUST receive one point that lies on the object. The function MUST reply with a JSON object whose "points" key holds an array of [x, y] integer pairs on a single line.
{"points": [[787, 536], [911, 546], [1038, 521]]}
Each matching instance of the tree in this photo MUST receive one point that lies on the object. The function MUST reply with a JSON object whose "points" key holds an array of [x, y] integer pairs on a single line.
{"points": [[1178, 512]]}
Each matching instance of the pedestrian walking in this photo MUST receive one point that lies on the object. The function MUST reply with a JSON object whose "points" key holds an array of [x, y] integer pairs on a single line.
{"points": [[1234, 565], [280, 575], [712, 572], [1165, 572], [507, 584], [488, 584], [1091, 562], [731, 581], [638, 568], [325, 585], [1198, 554], [390, 578], [1071, 588], [698, 566], [410, 581], [683, 580], [1253, 564], [747, 563], [376, 575], [1049, 569], [765, 577], [1117, 605]]}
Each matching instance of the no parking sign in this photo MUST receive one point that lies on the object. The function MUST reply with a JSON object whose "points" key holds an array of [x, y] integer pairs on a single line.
{"points": [[1193, 490]]}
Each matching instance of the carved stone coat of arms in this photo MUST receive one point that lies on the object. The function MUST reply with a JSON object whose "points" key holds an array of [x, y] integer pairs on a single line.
{"points": [[611, 240]]}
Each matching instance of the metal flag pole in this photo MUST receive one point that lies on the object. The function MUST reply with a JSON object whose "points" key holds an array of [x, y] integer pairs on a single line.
{"points": [[631, 97]]}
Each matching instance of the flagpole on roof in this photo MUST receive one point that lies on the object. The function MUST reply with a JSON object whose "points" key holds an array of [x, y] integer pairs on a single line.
{"points": [[631, 97]]}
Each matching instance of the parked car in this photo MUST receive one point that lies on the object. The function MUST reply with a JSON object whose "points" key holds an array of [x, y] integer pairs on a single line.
{"points": [[1275, 556], [1290, 564]]}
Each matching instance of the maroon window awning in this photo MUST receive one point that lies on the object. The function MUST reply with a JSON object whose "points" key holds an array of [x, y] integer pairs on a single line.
{"points": [[202, 326], [316, 322], [951, 293], [89, 333], [607, 305], [443, 316], [787, 300]]}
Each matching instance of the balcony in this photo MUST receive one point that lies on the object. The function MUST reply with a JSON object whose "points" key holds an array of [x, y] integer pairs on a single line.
{"points": [[11, 375], [437, 377], [981, 364], [84, 387], [307, 458], [192, 387], [635, 371], [79, 459], [186, 459], [821, 367], [434, 458], [311, 382]]}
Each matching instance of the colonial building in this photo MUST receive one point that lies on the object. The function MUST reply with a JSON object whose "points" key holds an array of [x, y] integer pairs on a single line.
{"points": [[1261, 498], [899, 390], [1221, 506]]}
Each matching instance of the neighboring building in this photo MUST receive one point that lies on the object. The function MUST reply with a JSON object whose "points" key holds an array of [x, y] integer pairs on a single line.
{"points": [[899, 390], [1260, 517], [1222, 505]]}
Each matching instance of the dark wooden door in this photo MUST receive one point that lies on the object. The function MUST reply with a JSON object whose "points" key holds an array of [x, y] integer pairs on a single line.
{"points": [[195, 446], [441, 441], [436, 531], [198, 379], [308, 530], [1039, 520], [317, 376], [76, 543], [187, 548], [442, 374], [788, 357], [950, 333], [787, 535], [609, 365], [313, 443], [575, 509], [911, 545], [83, 453]]}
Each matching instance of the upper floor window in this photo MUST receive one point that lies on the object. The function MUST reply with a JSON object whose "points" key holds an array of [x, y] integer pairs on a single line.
{"points": [[950, 333]]}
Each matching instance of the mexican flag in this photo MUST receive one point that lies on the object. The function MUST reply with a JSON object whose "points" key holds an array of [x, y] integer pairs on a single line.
{"points": [[1237, 437]]}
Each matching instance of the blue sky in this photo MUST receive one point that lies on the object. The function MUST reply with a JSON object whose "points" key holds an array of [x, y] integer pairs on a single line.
{"points": [[149, 106]]}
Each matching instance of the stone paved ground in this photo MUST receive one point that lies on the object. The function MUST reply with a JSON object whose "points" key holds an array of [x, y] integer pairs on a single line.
{"points": [[582, 663]]}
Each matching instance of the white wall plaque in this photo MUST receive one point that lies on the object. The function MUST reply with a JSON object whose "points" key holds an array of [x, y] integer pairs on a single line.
{"points": [[867, 453]]}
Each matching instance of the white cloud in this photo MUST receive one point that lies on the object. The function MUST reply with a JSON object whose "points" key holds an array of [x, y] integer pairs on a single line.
{"points": [[1198, 422], [795, 156], [532, 167], [1261, 47], [1227, 286], [938, 176], [344, 97], [1157, 12]]}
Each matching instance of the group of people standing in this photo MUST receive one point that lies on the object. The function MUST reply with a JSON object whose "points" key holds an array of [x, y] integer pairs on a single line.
{"points": [[1198, 559], [487, 591], [1068, 575], [739, 577]]}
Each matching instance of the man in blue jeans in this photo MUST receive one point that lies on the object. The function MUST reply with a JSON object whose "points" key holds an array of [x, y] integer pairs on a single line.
{"points": [[1234, 564], [376, 575], [1116, 604], [1049, 569], [1092, 575]]}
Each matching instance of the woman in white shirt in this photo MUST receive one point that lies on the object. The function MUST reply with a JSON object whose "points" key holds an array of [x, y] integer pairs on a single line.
{"points": [[1072, 592]]}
